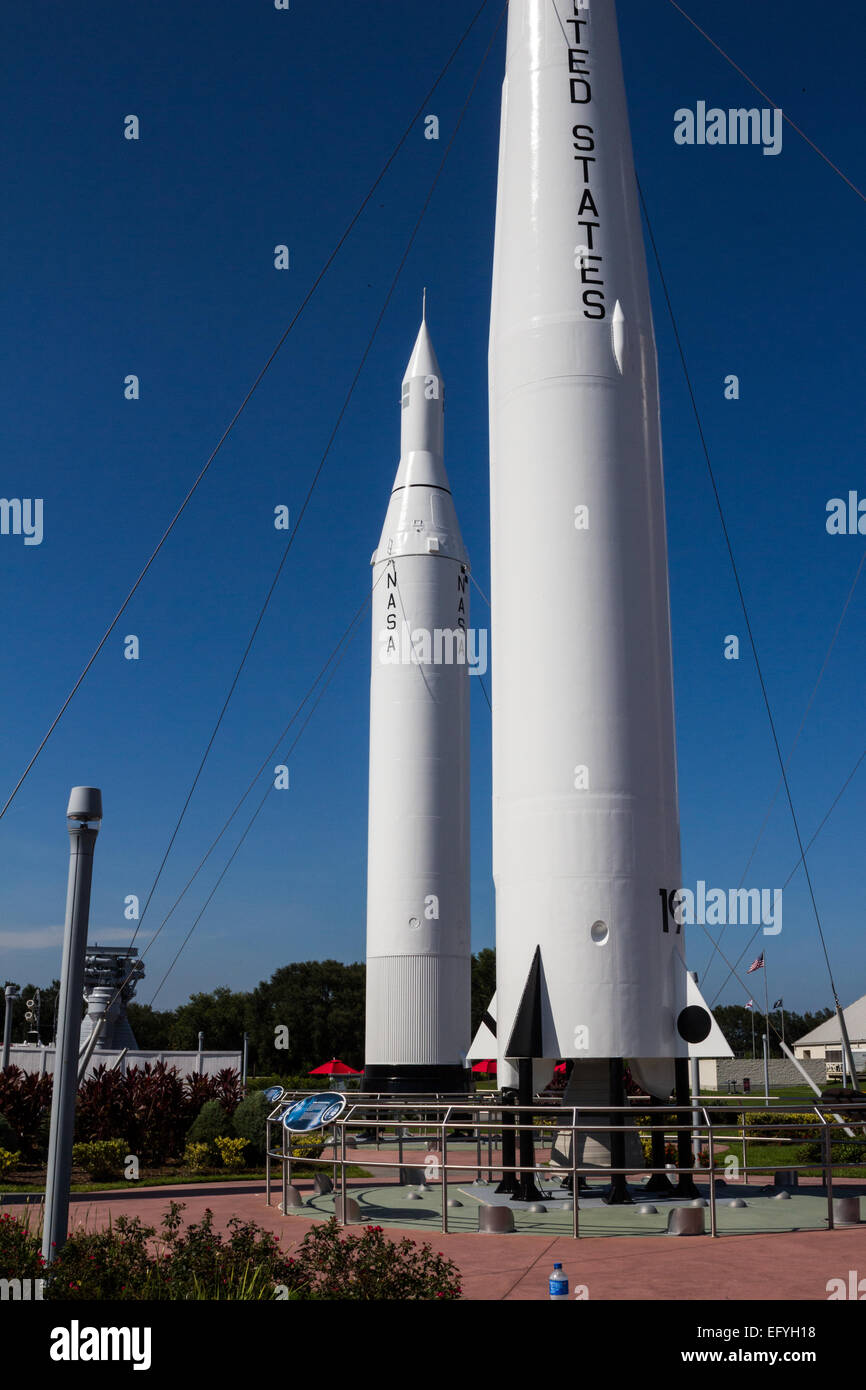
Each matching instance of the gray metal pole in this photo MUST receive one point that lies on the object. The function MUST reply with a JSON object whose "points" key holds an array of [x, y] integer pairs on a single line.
{"points": [[11, 994], [89, 1047], [694, 1066], [244, 1076], [695, 1074], [85, 805], [766, 1068], [200, 1051]]}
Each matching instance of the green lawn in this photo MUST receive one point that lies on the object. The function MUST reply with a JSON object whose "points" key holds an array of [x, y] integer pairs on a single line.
{"points": [[183, 1179]]}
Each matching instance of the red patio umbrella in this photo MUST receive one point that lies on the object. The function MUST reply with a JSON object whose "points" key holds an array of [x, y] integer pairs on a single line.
{"points": [[334, 1068], [485, 1068]]}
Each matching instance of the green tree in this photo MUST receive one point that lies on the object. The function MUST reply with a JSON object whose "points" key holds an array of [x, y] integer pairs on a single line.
{"points": [[152, 1027], [221, 1015], [320, 1004], [483, 984], [735, 1022]]}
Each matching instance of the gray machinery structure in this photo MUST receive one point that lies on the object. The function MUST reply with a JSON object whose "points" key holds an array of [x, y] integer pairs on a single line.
{"points": [[111, 974]]}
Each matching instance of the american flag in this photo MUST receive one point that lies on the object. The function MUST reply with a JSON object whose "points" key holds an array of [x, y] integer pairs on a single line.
{"points": [[756, 964], [751, 1004]]}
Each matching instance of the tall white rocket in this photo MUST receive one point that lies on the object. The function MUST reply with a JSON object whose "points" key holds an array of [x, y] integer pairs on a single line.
{"points": [[585, 819], [418, 924]]}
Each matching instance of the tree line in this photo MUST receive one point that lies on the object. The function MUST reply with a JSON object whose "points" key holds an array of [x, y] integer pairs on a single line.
{"points": [[311, 1011]]}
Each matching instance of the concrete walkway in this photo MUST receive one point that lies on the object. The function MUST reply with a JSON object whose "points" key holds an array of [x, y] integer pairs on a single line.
{"points": [[791, 1265]]}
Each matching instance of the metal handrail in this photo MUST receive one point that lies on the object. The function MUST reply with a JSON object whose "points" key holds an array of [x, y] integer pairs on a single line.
{"points": [[591, 1122]]}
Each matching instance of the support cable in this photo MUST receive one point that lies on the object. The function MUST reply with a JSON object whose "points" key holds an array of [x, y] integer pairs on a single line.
{"points": [[227, 431]]}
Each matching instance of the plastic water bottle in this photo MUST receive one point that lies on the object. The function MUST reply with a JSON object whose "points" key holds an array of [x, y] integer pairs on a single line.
{"points": [[558, 1282]]}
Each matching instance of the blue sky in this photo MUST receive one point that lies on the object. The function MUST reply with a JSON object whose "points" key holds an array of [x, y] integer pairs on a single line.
{"points": [[155, 257]]}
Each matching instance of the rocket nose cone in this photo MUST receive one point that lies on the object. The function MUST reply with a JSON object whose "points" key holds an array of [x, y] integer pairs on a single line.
{"points": [[423, 360]]}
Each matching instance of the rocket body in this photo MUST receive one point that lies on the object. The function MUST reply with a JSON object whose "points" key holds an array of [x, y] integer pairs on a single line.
{"points": [[418, 922], [585, 818]]}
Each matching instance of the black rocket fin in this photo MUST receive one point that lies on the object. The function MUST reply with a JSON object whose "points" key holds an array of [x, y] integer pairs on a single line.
{"points": [[526, 1039]]}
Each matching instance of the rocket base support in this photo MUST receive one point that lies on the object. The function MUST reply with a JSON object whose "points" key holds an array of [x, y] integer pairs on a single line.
{"points": [[685, 1158], [618, 1193], [509, 1181], [658, 1182], [415, 1080], [526, 1188]]}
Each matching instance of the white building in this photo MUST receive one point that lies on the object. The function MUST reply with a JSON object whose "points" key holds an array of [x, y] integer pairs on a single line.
{"points": [[825, 1041]]}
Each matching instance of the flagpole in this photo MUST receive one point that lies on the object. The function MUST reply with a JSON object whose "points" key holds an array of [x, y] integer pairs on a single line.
{"points": [[782, 1011], [766, 996], [752, 1012]]}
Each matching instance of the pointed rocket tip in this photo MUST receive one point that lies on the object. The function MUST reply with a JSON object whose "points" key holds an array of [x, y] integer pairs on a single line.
{"points": [[423, 361], [424, 305]]}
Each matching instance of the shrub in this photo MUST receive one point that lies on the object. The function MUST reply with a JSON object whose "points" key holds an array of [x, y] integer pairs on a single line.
{"points": [[111, 1264], [308, 1145], [288, 1083], [231, 1151], [20, 1256], [189, 1263], [197, 1089], [125, 1262], [8, 1137], [210, 1124], [330, 1265], [8, 1161], [148, 1105], [25, 1100], [250, 1122], [646, 1145], [197, 1157], [102, 1107], [227, 1089], [839, 1153], [764, 1124], [103, 1158]]}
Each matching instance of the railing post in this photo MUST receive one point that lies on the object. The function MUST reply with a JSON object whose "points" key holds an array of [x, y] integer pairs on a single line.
{"points": [[575, 1180], [745, 1152], [285, 1166], [444, 1178], [343, 1157], [267, 1163], [828, 1171], [711, 1154]]}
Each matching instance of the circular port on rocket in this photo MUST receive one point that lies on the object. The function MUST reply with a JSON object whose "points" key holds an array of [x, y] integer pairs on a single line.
{"points": [[599, 931], [694, 1024]]}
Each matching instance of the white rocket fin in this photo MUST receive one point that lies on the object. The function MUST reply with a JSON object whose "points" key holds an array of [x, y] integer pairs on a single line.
{"points": [[715, 1044], [484, 1045]]}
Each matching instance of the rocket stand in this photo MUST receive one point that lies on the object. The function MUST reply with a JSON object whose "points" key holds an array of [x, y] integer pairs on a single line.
{"points": [[526, 1188], [618, 1194], [658, 1182], [685, 1158], [508, 1184]]}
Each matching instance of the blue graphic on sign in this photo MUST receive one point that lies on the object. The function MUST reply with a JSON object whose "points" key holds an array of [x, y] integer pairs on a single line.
{"points": [[314, 1111]]}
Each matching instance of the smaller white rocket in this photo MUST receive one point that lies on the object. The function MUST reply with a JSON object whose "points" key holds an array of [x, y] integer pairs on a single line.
{"points": [[418, 947]]}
